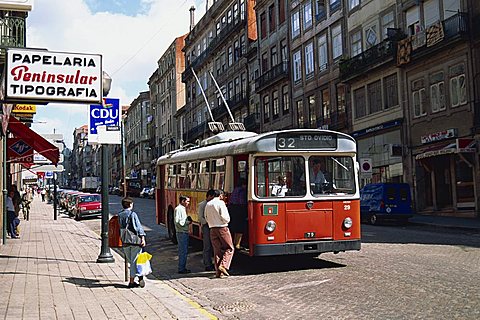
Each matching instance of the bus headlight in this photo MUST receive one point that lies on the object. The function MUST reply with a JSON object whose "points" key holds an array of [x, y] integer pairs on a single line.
{"points": [[348, 222], [271, 225]]}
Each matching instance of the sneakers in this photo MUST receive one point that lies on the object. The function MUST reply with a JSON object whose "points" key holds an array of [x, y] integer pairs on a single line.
{"points": [[141, 282], [133, 285], [185, 271]]}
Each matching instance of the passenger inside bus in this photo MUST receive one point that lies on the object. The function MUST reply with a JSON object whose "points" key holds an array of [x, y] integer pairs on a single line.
{"points": [[280, 189]]}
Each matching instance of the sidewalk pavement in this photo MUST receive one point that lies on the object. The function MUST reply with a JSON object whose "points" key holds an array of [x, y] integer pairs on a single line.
{"points": [[51, 273], [472, 224]]}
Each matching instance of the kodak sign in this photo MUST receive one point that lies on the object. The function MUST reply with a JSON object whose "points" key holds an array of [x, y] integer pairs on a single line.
{"points": [[24, 108]]}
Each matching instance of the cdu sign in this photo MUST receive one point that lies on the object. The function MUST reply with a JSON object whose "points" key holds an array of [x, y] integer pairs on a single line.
{"points": [[106, 114]]}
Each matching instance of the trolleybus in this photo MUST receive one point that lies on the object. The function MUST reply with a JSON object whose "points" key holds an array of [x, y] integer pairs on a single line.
{"points": [[292, 209]]}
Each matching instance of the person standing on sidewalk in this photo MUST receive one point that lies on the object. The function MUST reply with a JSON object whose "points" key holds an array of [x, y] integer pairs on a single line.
{"points": [[128, 218], [207, 244], [182, 221], [12, 219], [217, 216]]}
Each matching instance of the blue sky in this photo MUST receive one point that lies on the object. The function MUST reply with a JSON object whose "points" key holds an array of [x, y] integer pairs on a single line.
{"points": [[131, 35]]}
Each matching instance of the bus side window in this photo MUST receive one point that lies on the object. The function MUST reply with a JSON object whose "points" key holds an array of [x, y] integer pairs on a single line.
{"points": [[260, 178], [217, 173], [203, 175], [171, 181]]}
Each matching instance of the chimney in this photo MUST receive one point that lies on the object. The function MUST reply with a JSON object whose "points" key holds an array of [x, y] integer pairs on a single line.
{"points": [[192, 17]]}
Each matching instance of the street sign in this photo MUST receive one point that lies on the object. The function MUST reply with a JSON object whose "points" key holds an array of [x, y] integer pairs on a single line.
{"points": [[49, 174], [108, 115], [20, 150], [366, 167]]}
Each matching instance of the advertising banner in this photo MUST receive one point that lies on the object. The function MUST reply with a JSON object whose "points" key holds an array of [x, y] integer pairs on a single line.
{"points": [[41, 75]]}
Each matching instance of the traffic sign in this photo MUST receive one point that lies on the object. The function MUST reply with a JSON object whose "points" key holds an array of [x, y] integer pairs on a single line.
{"points": [[106, 114], [366, 167]]}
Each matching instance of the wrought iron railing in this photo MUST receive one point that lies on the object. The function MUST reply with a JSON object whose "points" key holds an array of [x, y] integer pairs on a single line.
{"points": [[277, 72], [12, 32]]}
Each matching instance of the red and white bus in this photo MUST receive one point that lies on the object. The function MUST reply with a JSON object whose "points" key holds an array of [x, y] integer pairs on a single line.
{"points": [[290, 209]]}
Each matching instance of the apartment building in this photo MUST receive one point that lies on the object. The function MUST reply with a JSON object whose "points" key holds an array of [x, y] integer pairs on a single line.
{"points": [[217, 46], [167, 96], [317, 33], [370, 71], [272, 80], [138, 151]]}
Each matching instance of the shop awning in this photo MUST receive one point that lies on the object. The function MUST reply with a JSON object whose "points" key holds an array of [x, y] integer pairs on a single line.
{"points": [[458, 146], [40, 144]]}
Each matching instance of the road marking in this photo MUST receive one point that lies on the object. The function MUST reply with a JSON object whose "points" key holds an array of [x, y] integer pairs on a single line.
{"points": [[194, 304], [304, 284]]}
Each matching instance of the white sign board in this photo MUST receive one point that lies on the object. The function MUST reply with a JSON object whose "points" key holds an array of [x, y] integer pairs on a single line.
{"points": [[47, 168], [104, 124], [366, 167], [41, 75]]}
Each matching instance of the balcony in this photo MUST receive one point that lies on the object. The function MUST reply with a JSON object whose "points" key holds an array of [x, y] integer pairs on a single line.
{"points": [[367, 60], [251, 123], [336, 121], [278, 72], [236, 101], [195, 132], [12, 31], [434, 38]]}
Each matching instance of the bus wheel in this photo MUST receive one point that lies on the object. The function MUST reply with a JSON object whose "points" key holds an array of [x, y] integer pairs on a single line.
{"points": [[373, 219], [171, 227]]}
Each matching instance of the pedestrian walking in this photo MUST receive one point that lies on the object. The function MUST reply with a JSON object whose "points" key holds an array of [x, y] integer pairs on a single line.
{"points": [[12, 219], [128, 218], [217, 216], [182, 222], [43, 192], [207, 244]]}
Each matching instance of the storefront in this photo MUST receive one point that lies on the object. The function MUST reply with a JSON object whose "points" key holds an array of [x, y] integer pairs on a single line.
{"points": [[445, 175], [382, 146]]}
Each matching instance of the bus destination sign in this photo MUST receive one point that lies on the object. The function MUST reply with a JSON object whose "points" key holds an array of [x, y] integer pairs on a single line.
{"points": [[306, 141]]}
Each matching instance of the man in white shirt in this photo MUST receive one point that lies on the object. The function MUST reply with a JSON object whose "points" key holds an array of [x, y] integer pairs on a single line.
{"points": [[217, 217], [182, 221]]}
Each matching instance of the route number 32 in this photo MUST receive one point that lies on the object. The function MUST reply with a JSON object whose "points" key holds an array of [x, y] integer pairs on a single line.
{"points": [[286, 143]]}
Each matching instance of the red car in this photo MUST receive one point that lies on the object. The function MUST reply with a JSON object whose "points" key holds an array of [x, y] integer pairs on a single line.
{"points": [[87, 205]]}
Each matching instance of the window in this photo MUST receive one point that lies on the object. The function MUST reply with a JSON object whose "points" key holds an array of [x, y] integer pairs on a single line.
{"points": [[276, 108], [203, 175], [279, 176], [334, 6], [418, 98], [337, 41], [356, 43], [431, 12], [458, 91], [300, 119], [217, 177], [341, 105], [243, 82], [230, 56], [413, 18], [242, 9], [285, 100], [271, 18], [309, 60], [274, 56], [283, 50], [320, 11], [353, 3], [360, 105], [235, 12], [337, 173], [281, 11], [237, 86], [265, 62], [236, 50], [375, 96], [230, 90], [370, 36], [297, 66], [391, 91], [242, 44], [307, 15], [437, 92], [311, 111], [266, 108], [322, 53], [326, 108], [387, 22], [295, 24], [263, 26]]}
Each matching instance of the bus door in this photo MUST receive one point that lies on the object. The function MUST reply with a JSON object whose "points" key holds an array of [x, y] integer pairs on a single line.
{"points": [[159, 198], [240, 165]]}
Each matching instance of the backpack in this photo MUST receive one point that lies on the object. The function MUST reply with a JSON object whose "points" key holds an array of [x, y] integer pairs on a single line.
{"points": [[114, 240]]}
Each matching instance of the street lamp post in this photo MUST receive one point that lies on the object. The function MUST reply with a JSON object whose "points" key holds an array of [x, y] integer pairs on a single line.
{"points": [[105, 254]]}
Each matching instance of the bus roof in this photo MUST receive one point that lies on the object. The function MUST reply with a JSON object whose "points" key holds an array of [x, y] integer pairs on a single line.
{"points": [[241, 142]]}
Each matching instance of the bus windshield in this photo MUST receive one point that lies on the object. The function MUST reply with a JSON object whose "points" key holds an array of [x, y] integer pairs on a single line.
{"points": [[280, 176], [331, 175]]}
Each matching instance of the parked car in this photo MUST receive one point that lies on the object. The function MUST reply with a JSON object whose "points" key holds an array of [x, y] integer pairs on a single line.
{"points": [[144, 192], [385, 201], [87, 205]]}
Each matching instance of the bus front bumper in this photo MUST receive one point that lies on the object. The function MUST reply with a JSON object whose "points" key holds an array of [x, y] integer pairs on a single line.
{"points": [[310, 247]]}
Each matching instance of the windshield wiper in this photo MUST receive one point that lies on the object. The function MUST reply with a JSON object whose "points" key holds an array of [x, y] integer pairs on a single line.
{"points": [[339, 163]]}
